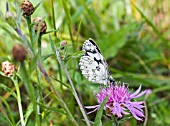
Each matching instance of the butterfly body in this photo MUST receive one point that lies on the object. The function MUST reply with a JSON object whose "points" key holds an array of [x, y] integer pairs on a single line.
{"points": [[93, 64]]}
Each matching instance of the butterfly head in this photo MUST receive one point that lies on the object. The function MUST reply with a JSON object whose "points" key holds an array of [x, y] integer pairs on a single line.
{"points": [[111, 80]]}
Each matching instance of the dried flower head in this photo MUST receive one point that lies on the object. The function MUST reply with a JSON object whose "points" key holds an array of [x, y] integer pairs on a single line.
{"points": [[27, 8], [19, 53], [43, 26], [8, 68], [120, 101]]}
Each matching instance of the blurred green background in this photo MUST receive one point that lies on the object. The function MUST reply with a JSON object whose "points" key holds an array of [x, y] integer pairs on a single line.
{"points": [[134, 37]]}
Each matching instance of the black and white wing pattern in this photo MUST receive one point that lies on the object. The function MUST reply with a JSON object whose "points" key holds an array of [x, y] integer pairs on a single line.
{"points": [[93, 65]]}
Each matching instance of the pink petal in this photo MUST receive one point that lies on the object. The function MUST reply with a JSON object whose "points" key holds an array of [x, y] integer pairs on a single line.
{"points": [[91, 107], [139, 95], [136, 92]]}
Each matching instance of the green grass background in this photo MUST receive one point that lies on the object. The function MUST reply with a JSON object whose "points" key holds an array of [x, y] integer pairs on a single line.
{"points": [[134, 37]]}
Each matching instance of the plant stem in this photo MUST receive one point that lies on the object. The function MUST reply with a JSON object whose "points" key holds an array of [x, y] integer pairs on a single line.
{"points": [[39, 46], [115, 121], [30, 90], [30, 29], [41, 68], [19, 100], [55, 34], [74, 91]]}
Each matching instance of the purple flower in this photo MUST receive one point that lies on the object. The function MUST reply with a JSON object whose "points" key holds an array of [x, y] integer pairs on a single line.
{"points": [[120, 101]]}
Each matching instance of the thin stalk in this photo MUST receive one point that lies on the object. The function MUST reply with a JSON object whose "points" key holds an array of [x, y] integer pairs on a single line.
{"points": [[69, 22], [146, 113], [30, 28], [55, 34], [39, 45], [41, 68], [74, 91], [115, 121], [76, 45], [53, 15], [19, 101]]}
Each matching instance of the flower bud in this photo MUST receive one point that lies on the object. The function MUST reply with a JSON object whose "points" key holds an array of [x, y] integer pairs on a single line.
{"points": [[19, 53], [43, 26], [63, 43], [27, 8], [10, 19], [8, 68]]}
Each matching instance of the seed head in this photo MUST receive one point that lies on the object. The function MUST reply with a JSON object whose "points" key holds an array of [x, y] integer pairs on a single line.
{"points": [[19, 53], [43, 26], [27, 8], [8, 68]]}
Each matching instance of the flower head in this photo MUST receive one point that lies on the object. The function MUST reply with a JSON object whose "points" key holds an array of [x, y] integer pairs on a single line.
{"points": [[19, 53], [27, 8], [119, 101], [43, 25], [8, 68]]}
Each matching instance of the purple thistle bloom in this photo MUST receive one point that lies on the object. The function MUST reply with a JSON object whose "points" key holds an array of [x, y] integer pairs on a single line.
{"points": [[120, 101]]}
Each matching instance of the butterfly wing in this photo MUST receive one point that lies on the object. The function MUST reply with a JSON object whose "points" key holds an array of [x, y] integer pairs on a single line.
{"points": [[93, 65]]}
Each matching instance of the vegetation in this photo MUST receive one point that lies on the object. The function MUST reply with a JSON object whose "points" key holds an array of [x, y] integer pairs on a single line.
{"points": [[44, 85]]}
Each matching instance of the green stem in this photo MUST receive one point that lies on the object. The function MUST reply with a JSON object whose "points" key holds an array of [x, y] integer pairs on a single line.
{"points": [[39, 45], [115, 121], [55, 34], [39, 94], [74, 91], [19, 100], [56, 92], [76, 45], [30, 28], [30, 90], [69, 22], [53, 15]]}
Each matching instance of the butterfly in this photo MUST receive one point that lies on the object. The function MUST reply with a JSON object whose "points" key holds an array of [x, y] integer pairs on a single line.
{"points": [[93, 65]]}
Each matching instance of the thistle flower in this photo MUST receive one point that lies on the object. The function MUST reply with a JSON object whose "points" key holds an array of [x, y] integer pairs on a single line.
{"points": [[27, 8], [119, 101], [8, 68]]}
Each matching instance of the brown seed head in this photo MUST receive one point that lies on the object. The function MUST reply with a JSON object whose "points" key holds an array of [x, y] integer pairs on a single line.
{"points": [[19, 53], [27, 8], [8, 68], [43, 26]]}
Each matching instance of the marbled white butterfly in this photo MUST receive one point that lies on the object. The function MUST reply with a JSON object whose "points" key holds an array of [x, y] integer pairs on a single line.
{"points": [[93, 65]]}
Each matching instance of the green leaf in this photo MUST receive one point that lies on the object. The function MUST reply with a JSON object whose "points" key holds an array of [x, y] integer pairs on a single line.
{"points": [[51, 31], [47, 56], [8, 90], [52, 44], [35, 8], [77, 54], [2, 15], [67, 85], [28, 112], [11, 119], [52, 108], [33, 64], [99, 113]]}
